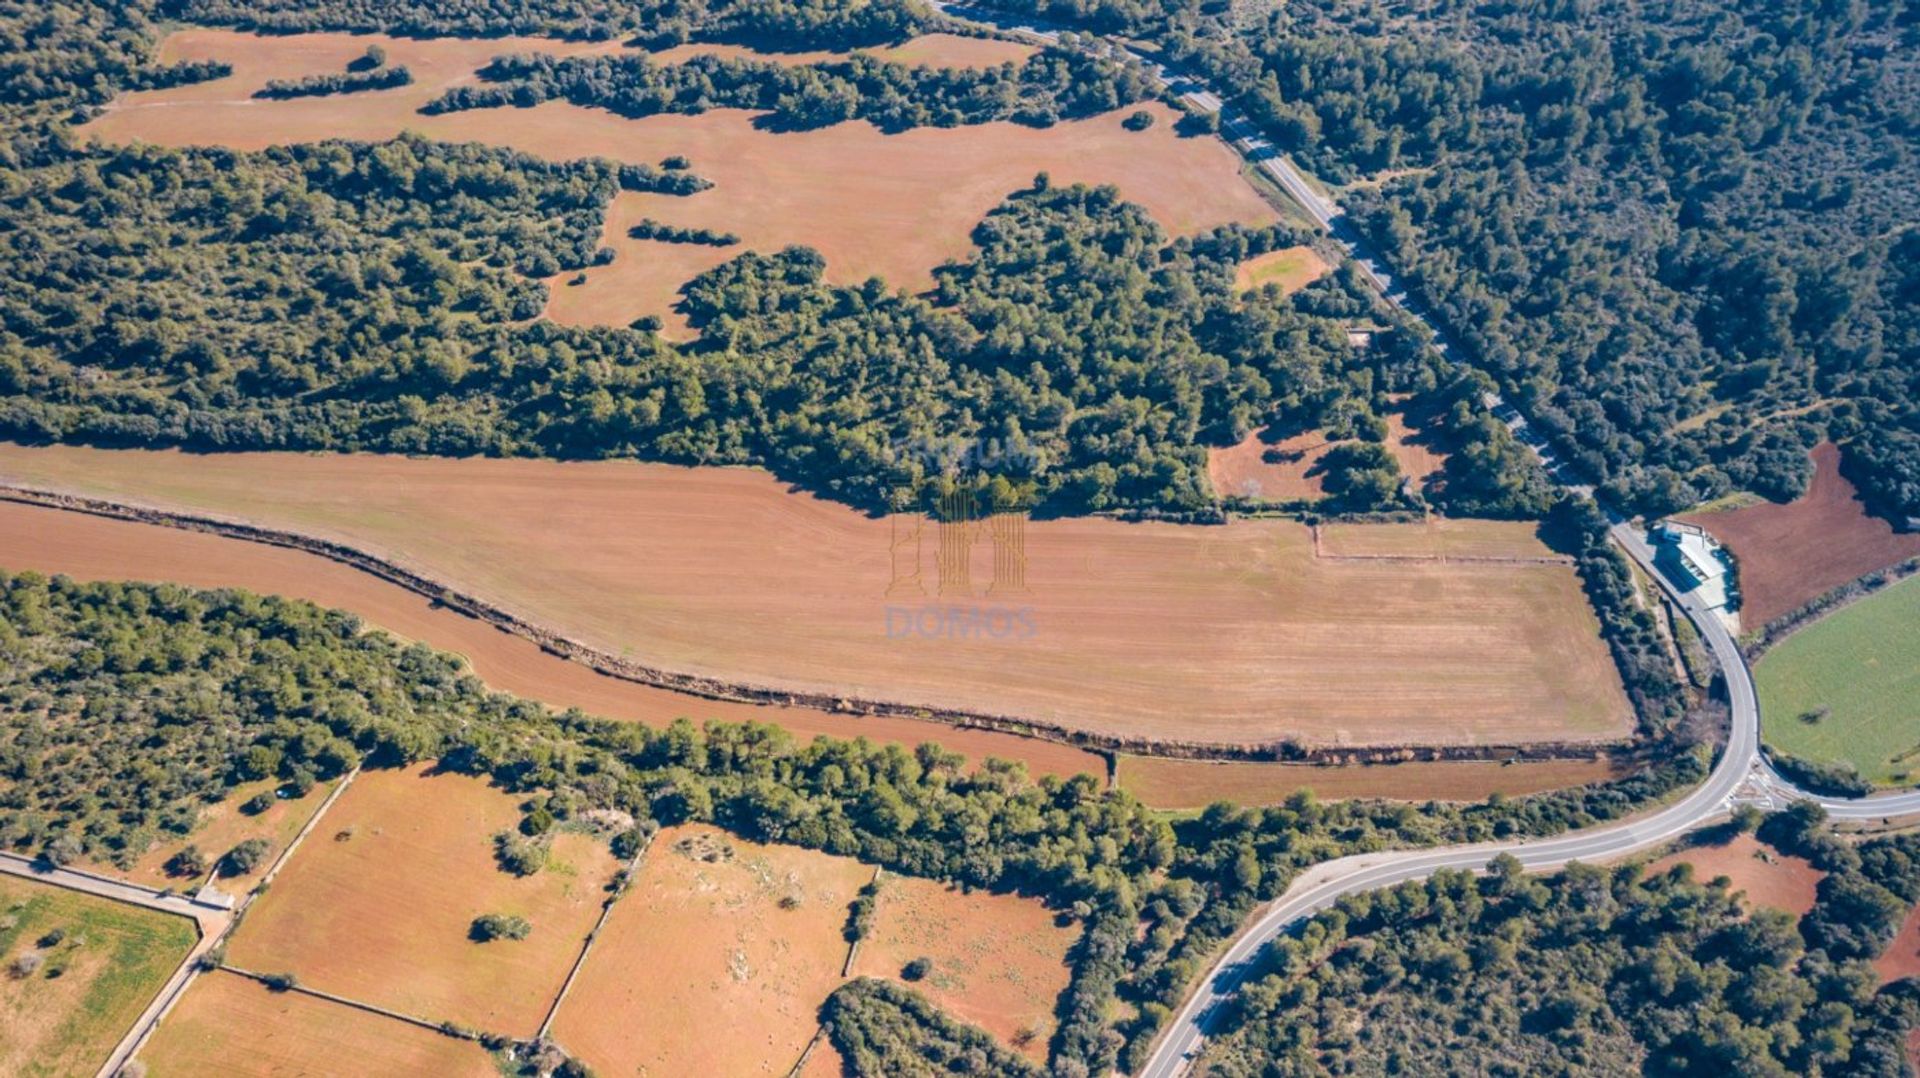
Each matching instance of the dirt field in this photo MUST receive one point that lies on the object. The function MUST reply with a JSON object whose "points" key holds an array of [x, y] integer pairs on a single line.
{"points": [[1902, 956], [909, 205], [1287, 469], [1791, 554], [1292, 268], [227, 1024], [382, 913], [1436, 537], [222, 827], [1192, 784], [999, 961], [702, 970], [65, 1015], [1769, 878], [92, 548], [1227, 634]]}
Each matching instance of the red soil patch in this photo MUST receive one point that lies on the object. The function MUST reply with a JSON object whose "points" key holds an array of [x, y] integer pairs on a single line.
{"points": [[1768, 877], [703, 968], [1227, 634], [999, 961], [1791, 554], [1286, 470], [1191, 784], [382, 914], [1902, 956], [227, 1024], [93, 548], [873, 204]]}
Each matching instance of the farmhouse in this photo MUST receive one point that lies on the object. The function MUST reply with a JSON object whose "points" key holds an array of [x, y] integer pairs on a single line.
{"points": [[1692, 560]]}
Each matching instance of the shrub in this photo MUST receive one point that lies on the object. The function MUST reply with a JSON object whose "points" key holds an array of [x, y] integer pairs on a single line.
{"points": [[245, 857], [26, 964], [280, 982], [498, 926], [258, 803], [1139, 120], [917, 969]]}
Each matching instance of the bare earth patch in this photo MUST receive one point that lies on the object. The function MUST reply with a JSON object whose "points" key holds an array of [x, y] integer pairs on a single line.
{"points": [[1167, 783], [92, 548], [376, 905], [1230, 634], [228, 1024], [1292, 268], [1791, 554], [715, 961], [999, 960], [873, 204], [1272, 469], [1902, 956], [1768, 877]]}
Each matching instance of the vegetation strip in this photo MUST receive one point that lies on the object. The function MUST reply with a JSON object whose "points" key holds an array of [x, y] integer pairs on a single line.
{"points": [[712, 689]]}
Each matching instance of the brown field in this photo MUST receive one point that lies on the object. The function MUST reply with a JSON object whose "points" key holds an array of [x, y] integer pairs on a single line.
{"points": [[1791, 554], [1229, 634], [93, 548], [999, 961], [871, 203], [382, 914], [1902, 956], [227, 1024], [1244, 470], [1292, 268], [221, 828], [1436, 537], [1768, 877], [1192, 784], [700, 970]]}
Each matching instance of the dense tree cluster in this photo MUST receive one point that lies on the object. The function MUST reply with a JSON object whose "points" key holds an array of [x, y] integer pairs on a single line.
{"points": [[883, 1030], [592, 20], [381, 78], [1677, 234], [1052, 85], [1593, 971], [650, 229], [126, 709]]}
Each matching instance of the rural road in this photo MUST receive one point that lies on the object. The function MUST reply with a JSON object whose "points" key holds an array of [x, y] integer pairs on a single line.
{"points": [[1740, 775]]}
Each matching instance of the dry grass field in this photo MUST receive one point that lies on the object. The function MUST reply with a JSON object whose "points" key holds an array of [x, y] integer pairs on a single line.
{"points": [[1292, 268], [229, 1025], [871, 203], [1230, 634], [66, 1001], [1768, 877], [1791, 554], [221, 828], [1181, 785], [715, 961], [1286, 469], [999, 961], [94, 548], [376, 905], [1435, 537]]}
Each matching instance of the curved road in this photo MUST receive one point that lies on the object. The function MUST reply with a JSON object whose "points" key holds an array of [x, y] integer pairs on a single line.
{"points": [[1740, 775]]}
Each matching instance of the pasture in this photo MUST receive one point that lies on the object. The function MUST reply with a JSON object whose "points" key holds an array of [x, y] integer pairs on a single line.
{"points": [[377, 904], [894, 205], [1791, 554], [1233, 634], [1847, 687], [229, 1024], [75, 973]]}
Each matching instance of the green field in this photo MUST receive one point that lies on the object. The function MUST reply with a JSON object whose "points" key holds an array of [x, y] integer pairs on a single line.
{"points": [[98, 964], [1862, 666]]}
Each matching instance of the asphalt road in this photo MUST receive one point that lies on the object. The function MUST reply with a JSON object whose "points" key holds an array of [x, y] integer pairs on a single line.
{"points": [[1740, 774]]}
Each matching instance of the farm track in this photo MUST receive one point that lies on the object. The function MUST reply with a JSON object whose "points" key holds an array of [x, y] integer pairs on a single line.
{"points": [[624, 669]]}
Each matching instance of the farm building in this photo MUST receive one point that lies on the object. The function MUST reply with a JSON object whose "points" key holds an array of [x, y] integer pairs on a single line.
{"points": [[1692, 560]]}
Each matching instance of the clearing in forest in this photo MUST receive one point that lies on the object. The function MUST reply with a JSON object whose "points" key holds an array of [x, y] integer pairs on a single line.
{"points": [[1902, 956], [1266, 467], [1846, 688], [892, 205], [1791, 554], [229, 1024], [1766, 876], [715, 961], [1292, 268], [377, 904], [1185, 785], [75, 972], [997, 961], [1234, 634]]}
